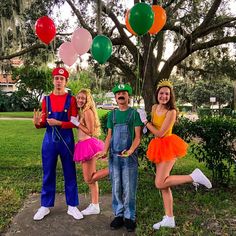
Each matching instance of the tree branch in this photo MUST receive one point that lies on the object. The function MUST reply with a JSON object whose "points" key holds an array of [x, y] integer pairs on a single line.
{"points": [[125, 39], [24, 51], [168, 4], [191, 68], [214, 42], [176, 29], [170, 10], [122, 65], [213, 27], [209, 17], [160, 47], [64, 34], [80, 18]]}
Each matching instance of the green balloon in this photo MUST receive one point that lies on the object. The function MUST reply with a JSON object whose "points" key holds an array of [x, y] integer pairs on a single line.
{"points": [[141, 18], [101, 48]]}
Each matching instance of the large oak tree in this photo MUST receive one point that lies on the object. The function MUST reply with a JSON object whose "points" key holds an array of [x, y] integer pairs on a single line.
{"points": [[191, 26]]}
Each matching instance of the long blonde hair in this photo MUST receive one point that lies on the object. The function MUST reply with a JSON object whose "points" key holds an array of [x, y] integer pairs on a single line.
{"points": [[90, 104]]}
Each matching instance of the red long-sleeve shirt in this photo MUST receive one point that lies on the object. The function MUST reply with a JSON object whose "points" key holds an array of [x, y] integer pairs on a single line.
{"points": [[57, 105]]}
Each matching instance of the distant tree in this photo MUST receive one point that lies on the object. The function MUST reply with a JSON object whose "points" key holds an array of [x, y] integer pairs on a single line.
{"points": [[203, 90], [215, 69], [77, 81], [32, 80]]}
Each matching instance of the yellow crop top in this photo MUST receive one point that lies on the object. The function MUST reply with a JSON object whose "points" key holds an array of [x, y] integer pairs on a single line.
{"points": [[157, 121]]}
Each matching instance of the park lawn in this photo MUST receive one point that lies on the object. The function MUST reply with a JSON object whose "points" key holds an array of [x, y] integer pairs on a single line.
{"points": [[29, 114], [20, 114], [197, 213]]}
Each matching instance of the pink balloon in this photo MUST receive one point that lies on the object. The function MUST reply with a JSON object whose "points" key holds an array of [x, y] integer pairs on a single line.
{"points": [[67, 53], [81, 40]]}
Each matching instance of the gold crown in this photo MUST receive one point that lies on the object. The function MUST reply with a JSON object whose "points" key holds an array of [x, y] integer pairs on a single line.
{"points": [[164, 83]]}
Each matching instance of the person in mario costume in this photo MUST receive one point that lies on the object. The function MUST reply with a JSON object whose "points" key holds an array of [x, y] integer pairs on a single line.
{"points": [[57, 109]]}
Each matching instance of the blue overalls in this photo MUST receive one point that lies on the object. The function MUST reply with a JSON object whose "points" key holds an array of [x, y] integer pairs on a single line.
{"points": [[58, 141], [123, 170]]}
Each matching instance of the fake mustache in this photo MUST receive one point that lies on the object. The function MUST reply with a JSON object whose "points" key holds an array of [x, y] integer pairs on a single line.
{"points": [[121, 98]]}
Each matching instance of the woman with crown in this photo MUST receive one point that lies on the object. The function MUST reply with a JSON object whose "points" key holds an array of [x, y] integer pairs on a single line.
{"points": [[165, 148]]}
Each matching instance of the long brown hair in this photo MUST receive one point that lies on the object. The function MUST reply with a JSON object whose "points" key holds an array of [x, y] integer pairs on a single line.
{"points": [[170, 105]]}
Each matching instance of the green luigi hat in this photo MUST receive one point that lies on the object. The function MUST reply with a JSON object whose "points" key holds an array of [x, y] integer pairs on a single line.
{"points": [[122, 87]]}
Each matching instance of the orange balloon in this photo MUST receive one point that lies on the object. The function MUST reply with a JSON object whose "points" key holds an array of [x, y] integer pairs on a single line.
{"points": [[159, 19], [127, 23]]}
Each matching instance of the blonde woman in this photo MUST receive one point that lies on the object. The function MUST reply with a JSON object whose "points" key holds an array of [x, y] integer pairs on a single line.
{"points": [[88, 145]]}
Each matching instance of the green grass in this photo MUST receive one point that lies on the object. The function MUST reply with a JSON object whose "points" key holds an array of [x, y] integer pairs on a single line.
{"points": [[29, 114], [25, 114], [197, 213], [201, 212]]}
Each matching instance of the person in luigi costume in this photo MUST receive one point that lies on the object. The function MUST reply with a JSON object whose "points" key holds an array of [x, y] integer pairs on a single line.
{"points": [[122, 140], [57, 109]]}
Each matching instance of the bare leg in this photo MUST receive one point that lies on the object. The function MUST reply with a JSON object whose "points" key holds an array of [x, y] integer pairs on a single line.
{"points": [[167, 201], [100, 174], [89, 168], [164, 180], [162, 173]]}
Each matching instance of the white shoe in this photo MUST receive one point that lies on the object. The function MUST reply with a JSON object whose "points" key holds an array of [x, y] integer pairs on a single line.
{"points": [[92, 209], [41, 213], [200, 178], [74, 211], [166, 222]]}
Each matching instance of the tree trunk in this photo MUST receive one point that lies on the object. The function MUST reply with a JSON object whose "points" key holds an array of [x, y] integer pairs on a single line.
{"points": [[234, 94], [150, 79]]}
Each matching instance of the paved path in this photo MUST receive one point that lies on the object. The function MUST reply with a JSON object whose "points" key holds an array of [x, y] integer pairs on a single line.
{"points": [[15, 118], [59, 223]]}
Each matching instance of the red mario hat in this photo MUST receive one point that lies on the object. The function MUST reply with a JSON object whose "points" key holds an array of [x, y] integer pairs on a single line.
{"points": [[60, 71]]}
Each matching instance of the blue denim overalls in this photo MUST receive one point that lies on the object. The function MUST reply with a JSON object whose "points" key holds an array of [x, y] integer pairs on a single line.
{"points": [[123, 171], [58, 141]]}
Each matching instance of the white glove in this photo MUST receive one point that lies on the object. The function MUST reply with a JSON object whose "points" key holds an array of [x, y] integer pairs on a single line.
{"points": [[143, 115], [75, 120], [144, 130]]}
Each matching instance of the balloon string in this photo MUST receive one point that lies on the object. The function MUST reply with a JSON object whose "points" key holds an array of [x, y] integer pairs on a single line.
{"points": [[102, 77], [50, 49], [145, 67], [137, 87], [46, 84]]}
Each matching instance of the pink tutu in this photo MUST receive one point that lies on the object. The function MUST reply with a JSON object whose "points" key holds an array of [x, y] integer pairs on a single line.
{"points": [[86, 149]]}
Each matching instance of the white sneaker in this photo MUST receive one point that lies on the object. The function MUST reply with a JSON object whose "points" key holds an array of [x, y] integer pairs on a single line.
{"points": [[41, 213], [74, 211], [92, 209], [200, 178], [166, 222]]}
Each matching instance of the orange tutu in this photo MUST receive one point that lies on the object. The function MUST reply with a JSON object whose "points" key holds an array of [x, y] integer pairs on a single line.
{"points": [[166, 148]]}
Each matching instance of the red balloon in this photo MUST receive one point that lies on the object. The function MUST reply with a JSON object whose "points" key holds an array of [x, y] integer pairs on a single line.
{"points": [[127, 23], [159, 19], [45, 29]]}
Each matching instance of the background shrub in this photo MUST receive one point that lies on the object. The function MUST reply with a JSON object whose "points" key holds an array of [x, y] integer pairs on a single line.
{"points": [[215, 144]]}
